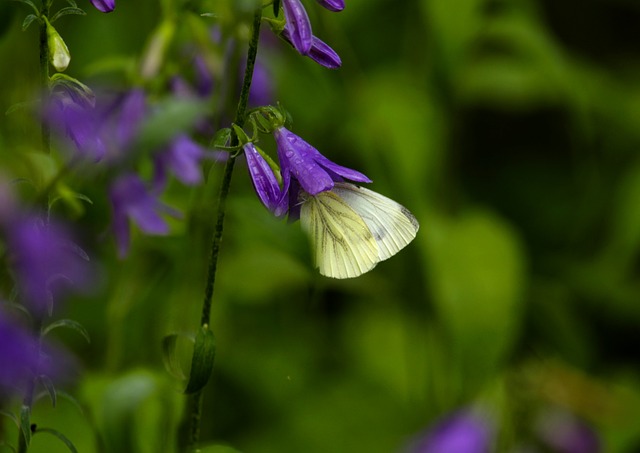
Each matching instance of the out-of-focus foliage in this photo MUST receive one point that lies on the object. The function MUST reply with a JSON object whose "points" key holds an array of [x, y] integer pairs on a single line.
{"points": [[510, 128]]}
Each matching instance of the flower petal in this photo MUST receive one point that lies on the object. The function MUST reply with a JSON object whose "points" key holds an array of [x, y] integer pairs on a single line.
{"points": [[298, 25], [332, 5], [105, 6], [299, 158], [264, 181]]}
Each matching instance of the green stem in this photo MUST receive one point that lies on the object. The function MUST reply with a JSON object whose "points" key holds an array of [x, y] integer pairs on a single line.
{"points": [[44, 75], [46, 149], [194, 408]]}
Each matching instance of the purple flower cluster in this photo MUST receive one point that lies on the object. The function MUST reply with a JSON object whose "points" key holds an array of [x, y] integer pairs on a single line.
{"points": [[107, 134], [297, 32], [302, 168]]}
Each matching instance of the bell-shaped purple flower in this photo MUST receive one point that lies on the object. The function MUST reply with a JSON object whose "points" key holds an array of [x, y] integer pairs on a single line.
{"points": [[302, 162], [131, 200], [464, 432], [46, 261], [265, 182], [182, 157], [105, 6], [332, 5], [299, 25], [320, 52]]}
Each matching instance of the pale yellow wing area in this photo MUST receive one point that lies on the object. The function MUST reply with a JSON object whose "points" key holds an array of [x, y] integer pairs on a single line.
{"points": [[343, 245], [392, 225]]}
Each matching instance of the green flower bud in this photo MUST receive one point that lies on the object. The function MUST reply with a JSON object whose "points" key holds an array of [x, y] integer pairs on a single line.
{"points": [[58, 52]]}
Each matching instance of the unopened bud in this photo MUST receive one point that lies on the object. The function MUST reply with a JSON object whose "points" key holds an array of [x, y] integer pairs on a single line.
{"points": [[58, 52]]}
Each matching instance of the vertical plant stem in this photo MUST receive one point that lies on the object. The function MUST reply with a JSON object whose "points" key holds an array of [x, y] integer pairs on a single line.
{"points": [[27, 401], [194, 408], [44, 76]]}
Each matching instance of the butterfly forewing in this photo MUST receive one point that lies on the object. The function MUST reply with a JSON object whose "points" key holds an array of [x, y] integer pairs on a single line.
{"points": [[390, 223], [343, 244]]}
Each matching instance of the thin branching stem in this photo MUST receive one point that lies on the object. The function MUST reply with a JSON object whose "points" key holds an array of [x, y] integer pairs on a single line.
{"points": [[195, 401]]}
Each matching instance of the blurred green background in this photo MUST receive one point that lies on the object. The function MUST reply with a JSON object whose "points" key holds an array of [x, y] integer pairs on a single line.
{"points": [[510, 128]]}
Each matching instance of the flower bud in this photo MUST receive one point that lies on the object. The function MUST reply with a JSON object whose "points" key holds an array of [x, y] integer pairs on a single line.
{"points": [[58, 52]]}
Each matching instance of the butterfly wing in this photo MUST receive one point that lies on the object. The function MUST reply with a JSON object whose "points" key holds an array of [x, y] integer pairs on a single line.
{"points": [[343, 245], [392, 225]]}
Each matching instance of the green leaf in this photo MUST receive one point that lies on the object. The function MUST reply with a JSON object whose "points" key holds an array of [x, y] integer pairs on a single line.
{"points": [[64, 395], [204, 352], [477, 270], [78, 91], [222, 138], [27, 21], [66, 11], [49, 387], [171, 117], [68, 323], [25, 424], [170, 356], [11, 447], [31, 4], [12, 416], [70, 199], [72, 3], [60, 436]]}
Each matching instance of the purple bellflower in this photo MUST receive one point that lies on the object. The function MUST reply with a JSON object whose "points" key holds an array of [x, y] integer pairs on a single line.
{"points": [[105, 6], [320, 52], [18, 355], [302, 162], [131, 199], [565, 433], [46, 261], [23, 358], [332, 5], [299, 25], [133, 108], [464, 432], [81, 125], [182, 156], [265, 182]]}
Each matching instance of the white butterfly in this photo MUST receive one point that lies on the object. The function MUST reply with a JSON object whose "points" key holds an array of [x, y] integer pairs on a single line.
{"points": [[352, 229]]}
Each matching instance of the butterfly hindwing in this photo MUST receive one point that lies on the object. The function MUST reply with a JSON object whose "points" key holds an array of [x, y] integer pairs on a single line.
{"points": [[390, 223]]}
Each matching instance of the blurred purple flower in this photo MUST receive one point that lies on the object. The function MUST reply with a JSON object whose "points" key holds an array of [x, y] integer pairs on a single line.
{"points": [[314, 172], [320, 52], [182, 156], [46, 261], [299, 25], [203, 77], [132, 109], [463, 432], [19, 358], [23, 357], [105, 6], [80, 124], [265, 182], [332, 5], [132, 201], [565, 433], [261, 92]]}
